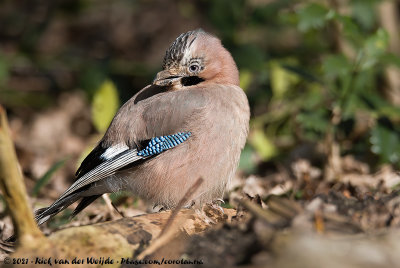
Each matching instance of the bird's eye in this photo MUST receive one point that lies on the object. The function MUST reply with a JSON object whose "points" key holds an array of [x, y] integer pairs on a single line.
{"points": [[194, 68]]}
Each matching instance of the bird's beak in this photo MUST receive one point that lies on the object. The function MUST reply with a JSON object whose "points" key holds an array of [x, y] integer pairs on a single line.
{"points": [[166, 78]]}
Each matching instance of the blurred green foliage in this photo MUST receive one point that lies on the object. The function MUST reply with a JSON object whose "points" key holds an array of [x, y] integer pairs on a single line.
{"points": [[104, 105], [46, 177], [330, 81], [309, 70]]}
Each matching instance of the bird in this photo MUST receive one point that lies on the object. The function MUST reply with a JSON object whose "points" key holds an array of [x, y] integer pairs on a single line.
{"points": [[191, 122]]}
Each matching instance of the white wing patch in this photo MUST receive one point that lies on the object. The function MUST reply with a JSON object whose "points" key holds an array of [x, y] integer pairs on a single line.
{"points": [[114, 150]]}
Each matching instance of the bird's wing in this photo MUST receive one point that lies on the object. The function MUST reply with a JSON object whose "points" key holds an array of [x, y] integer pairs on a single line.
{"points": [[154, 123], [99, 164], [106, 168], [153, 112]]}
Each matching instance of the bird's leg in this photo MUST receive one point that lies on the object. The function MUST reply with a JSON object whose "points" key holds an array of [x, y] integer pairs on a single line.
{"points": [[112, 209]]}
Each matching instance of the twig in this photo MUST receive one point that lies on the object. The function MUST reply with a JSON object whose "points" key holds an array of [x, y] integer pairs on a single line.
{"points": [[181, 203], [167, 233], [13, 188], [389, 19], [280, 212], [340, 43]]}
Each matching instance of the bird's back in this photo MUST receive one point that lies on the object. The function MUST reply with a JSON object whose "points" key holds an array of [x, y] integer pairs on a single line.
{"points": [[219, 127]]}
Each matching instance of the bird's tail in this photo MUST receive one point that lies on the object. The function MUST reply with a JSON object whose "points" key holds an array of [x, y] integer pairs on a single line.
{"points": [[44, 214]]}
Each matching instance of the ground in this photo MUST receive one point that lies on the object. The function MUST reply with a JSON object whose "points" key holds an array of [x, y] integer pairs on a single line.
{"points": [[305, 212]]}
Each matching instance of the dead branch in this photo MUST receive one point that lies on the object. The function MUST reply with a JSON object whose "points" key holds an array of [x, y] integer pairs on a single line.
{"points": [[13, 187], [118, 239], [389, 19]]}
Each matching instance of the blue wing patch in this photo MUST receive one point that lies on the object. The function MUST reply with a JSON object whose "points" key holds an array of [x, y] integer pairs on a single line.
{"points": [[102, 163], [159, 144]]}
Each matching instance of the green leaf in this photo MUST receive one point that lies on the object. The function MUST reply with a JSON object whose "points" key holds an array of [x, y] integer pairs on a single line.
{"points": [[391, 59], [263, 144], [374, 47], [351, 30], [364, 12], [104, 106], [336, 66], [313, 97], [281, 79], [385, 143], [315, 121], [245, 79], [380, 106], [312, 16], [46, 177]]}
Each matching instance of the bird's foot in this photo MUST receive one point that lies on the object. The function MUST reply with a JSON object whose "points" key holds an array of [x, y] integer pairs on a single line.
{"points": [[217, 204], [158, 208], [212, 213]]}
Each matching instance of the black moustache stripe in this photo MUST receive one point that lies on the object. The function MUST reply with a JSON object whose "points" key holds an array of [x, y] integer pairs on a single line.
{"points": [[191, 80]]}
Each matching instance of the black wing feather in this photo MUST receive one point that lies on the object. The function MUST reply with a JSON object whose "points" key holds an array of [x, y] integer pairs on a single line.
{"points": [[92, 160]]}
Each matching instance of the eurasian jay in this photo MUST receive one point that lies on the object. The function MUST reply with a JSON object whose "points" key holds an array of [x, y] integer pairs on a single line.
{"points": [[191, 122]]}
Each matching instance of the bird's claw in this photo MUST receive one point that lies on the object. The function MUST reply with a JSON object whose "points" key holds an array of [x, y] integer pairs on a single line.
{"points": [[219, 200], [215, 204]]}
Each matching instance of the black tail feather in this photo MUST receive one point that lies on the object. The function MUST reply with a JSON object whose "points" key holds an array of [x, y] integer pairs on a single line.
{"points": [[40, 211], [86, 201], [44, 214]]}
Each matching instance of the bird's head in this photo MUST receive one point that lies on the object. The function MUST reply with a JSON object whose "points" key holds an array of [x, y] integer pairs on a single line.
{"points": [[197, 57]]}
